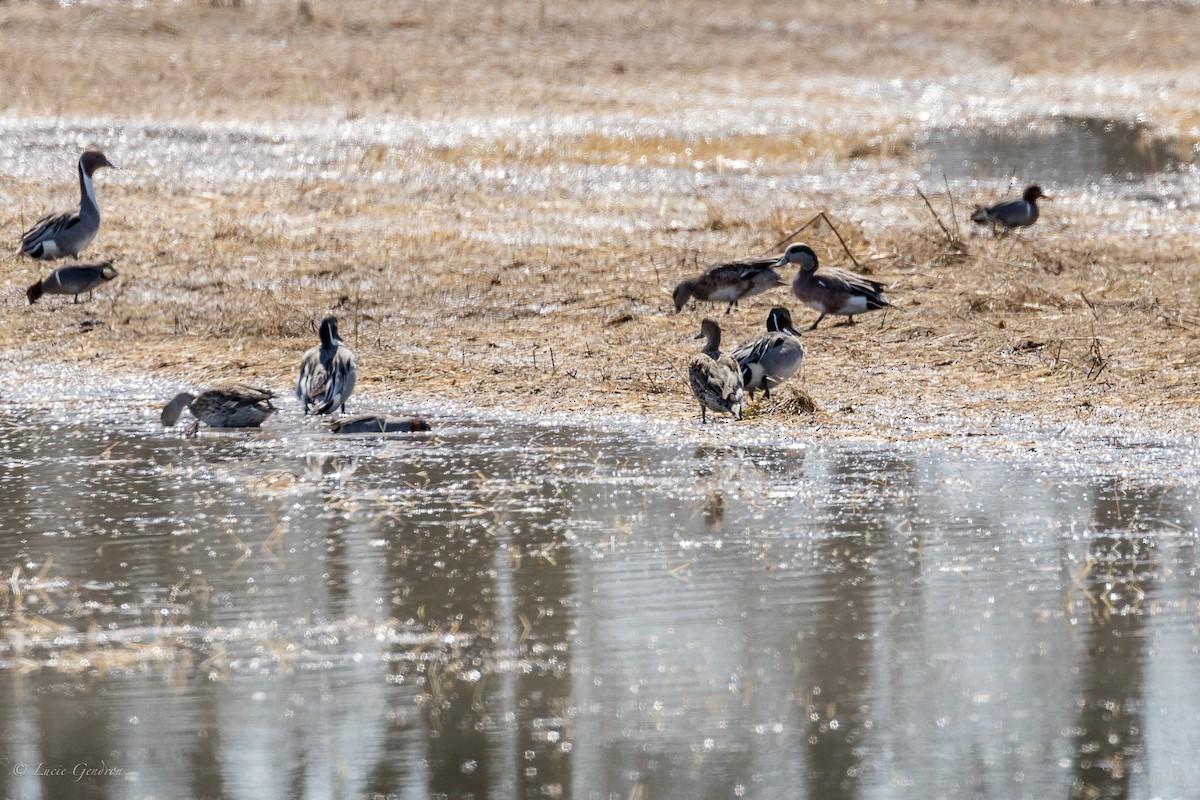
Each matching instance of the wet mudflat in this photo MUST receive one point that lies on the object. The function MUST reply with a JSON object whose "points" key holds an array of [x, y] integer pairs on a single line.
{"points": [[502, 608]]}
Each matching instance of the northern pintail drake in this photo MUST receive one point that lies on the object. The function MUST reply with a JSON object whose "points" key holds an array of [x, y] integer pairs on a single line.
{"points": [[729, 283], [379, 423], [72, 280], [1019, 213], [714, 377], [327, 373], [234, 406], [771, 359], [834, 291], [67, 233]]}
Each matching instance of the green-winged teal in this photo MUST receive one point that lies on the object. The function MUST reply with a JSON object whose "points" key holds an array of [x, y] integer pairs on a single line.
{"points": [[72, 280], [1019, 213], [380, 423]]}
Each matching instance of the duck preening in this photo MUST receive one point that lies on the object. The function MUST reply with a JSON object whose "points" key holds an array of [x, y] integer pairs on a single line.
{"points": [[67, 233], [380, 423], [327, 373], [729, 283], [834, 290], [769, 360], [234, 406], [1019, 213], [715, 378], [72, 280]]}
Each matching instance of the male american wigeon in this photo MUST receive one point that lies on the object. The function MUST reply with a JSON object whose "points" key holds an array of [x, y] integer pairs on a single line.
{"points": [[834, 290]]}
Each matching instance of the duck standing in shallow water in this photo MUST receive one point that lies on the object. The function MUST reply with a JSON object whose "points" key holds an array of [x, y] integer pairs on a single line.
{"points": [[67, 233], [715, 378], [235, 406], [72, 280], [327, 373], [1019, 213], [380, 423], [771, 359], [729, 283], [834, 291]]}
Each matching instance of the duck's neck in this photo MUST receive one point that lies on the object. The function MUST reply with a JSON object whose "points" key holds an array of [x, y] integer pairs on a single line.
{"points": [[713, 345], [176, 406], [87, 193]]}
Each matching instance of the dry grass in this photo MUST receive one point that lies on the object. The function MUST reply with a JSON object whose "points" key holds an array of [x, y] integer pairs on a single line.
{"points": [[457, 281], [268, 59], [732, 152]]}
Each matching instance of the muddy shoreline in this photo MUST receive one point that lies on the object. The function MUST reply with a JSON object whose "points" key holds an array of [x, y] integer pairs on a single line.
{"points": [[515, 250]]}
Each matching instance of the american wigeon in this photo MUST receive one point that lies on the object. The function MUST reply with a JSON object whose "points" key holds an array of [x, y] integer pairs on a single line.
{"points": [[729, 283], [834, 291]]}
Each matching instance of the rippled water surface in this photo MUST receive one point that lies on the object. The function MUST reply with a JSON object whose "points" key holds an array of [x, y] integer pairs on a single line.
{"points": [[1067, 151], [502, 608]]}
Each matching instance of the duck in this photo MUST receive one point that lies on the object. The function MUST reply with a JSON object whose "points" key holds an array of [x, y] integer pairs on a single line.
{"points": [[233, 406], [327, 373], [834, 291], [715, 378], [769, 360], [729, 283], [1019, 213], [72, 280], [67, 233], [380, 423]]}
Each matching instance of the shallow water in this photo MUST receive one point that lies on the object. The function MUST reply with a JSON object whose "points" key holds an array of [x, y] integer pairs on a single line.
{"points": [[1120, 171], [1066, 151], [503, 608]]}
